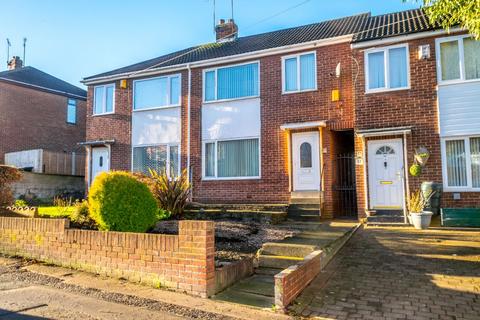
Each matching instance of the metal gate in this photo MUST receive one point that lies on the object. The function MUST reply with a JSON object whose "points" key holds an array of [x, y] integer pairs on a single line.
{"points": [[345, 193]]}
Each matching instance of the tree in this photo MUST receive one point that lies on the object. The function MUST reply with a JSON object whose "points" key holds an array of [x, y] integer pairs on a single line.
{"points": [[451, 13]]}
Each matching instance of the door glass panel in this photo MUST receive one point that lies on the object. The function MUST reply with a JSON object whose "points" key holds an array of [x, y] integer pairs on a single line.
{"points": [[305, 155], [385, 150]]}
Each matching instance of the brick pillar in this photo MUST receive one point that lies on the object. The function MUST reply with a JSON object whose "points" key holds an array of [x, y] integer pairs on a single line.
{"points": [[197, 245]]}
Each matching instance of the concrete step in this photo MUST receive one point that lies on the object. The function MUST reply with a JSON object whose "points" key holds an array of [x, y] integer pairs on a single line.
{"points": [[303, 218], [267, 271], [304, 201], [286, 249], [304, 206], [279, 262]]}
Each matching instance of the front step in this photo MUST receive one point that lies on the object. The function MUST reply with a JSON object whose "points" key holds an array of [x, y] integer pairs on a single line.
{"points": [[267, 271], [286, 249], [386, 216], [277, 262]]}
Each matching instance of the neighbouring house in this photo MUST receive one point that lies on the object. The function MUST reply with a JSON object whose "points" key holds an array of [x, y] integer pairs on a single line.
{"points": [[299, 113], [42, 120]]}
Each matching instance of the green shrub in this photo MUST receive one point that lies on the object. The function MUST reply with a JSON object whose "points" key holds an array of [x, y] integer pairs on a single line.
{"points": [[171, 194], [119, 202], [20, 203], [8, 175], [81, 215]]}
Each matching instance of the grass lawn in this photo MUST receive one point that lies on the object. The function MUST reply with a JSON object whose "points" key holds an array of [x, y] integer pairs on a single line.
{"points": [[55, 212]]}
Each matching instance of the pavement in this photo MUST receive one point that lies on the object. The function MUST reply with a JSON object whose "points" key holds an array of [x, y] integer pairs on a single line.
{"points": [[399, 273], [38, 291]]}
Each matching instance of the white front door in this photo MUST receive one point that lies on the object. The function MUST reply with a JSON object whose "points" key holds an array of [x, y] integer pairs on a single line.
{"points": [[100, 161], [385, 172], [306, 162]]}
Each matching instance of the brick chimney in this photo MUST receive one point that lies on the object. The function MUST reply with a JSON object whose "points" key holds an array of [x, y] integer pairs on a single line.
{"points": [[15, 63], [226, 31]]}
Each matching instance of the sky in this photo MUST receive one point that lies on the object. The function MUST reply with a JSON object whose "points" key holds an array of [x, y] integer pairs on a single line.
{"points": [[73, 39]]}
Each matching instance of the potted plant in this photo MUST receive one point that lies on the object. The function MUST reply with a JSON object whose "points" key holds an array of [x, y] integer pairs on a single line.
{"points": [[417, 216]]}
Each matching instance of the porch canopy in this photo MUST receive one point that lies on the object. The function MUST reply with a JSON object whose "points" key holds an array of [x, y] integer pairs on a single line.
{"points": [[381, 132], [303, 125], [95, 143]]}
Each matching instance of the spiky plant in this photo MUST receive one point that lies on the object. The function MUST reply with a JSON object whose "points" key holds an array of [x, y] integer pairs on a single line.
{"points": [[171, 193]]}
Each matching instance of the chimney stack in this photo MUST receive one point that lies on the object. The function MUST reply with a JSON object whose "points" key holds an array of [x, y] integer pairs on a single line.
{"points": [[226, 31], [15, 63]]}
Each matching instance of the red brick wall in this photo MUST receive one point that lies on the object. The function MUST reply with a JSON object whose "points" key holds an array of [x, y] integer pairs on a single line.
{"points": [[118, 126], [276, 110], [33, 119], [415, 107], [184, 262]]}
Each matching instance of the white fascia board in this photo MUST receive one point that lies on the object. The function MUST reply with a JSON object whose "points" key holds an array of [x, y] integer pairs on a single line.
{"points": [[403, 38], [223, 60]]}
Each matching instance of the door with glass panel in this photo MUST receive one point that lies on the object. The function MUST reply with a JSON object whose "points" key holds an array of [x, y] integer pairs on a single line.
{"points": [[100, 161], [385, 171], [306, 161]]}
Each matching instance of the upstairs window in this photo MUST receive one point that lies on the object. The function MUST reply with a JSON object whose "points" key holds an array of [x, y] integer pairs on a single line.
{"points": [[72, 111], [158, 92], [103, 99], [299, 73], [459, 59], [387, 68], [239, 81]]}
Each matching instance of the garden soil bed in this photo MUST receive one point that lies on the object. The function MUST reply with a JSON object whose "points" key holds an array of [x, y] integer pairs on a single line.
{"points": [[236, 239]]}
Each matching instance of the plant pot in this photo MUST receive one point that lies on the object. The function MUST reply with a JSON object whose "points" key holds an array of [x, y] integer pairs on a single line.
{"points": [[421, 220]]}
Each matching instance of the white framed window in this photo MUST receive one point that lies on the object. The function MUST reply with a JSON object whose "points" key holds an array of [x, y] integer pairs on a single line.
{"points": [[161, 157], [158, 92], [231, 82], [231, 159], [458, 59], [461, 163], [72, 111], [104, 99], [387, 68], [299, 72]]}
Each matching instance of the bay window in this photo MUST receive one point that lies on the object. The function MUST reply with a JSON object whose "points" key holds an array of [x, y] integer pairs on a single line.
{"points": [[103, 99], [157, 92], [228, 159], [458, 59], [299, 72], [387, 68], [231, 82], [461, 158], [161, 158]]}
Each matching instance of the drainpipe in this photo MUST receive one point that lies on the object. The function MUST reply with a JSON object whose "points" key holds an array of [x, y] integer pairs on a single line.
{"points": [[407, 186], [365, 182], [188, 123], [322, 168]]}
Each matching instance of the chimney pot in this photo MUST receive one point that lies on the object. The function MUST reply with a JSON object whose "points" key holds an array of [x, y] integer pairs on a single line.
{"points": [[226, 31], [15, 63]]}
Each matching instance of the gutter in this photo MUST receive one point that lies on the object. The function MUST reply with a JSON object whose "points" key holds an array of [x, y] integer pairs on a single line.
{"points": [[221, 60]]}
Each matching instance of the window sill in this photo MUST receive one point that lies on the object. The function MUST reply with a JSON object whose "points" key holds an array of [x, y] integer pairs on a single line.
{"points": [[451, 82], [102, 114], [157, 108], [299, 91], [373, 91], [231, 178], [229, 100], [461, 189]]}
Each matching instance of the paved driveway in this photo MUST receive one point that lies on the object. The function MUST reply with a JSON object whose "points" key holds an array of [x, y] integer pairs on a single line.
{"points": [[399, 273]]}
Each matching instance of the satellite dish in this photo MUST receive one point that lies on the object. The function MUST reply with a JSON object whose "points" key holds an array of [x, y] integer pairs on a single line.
{"points": [[338, 70]]}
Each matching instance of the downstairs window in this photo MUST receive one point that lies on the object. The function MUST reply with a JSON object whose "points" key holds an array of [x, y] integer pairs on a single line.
{"points": [[162, 158], [232, 159], [462, 163]]}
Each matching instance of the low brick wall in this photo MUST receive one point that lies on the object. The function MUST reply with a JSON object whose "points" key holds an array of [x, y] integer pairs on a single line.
{"points": [[230, 273], [183, 262], [290, 282]]}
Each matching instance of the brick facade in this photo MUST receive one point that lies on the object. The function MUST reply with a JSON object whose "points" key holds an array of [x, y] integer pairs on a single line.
{"points": [[34, 119], [416, 107], [183, 262], [355, 110]]}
